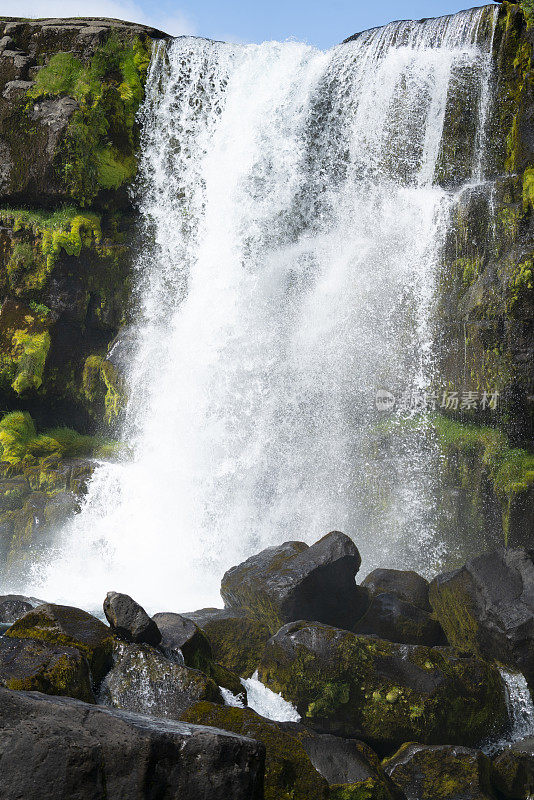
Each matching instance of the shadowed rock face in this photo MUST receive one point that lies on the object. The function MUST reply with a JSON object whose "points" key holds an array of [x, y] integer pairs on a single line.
{"points": [[129, 620], [13, 606], [487, 607], [514, 769], [57, 749], [393, 619], [294, 581]]}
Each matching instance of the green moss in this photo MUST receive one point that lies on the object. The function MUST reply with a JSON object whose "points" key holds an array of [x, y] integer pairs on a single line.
{"points": [[31, 350], [528, 189], [100, 378], [20, 442], [371, 789], [99, 148]]}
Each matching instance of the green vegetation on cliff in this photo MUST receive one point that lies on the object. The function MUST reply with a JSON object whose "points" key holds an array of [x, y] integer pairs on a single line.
{"points": [[101, 140]]}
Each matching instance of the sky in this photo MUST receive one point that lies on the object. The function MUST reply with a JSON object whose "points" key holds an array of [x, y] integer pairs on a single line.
{"points": [[322, 23]]}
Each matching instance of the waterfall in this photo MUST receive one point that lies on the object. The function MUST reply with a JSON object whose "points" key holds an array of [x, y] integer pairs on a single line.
{"points": [[520, 712], [292, 220]]}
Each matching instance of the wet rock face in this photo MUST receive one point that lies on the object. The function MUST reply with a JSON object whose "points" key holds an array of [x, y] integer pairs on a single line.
{"points": [[382, 692], [181, 633], [13, 606], [144, 681], [393, 619], [514, 770], [487, 607], [294, 581], [26, 664], [129, 621], [445, 772], [65, 625], [58, 749]]}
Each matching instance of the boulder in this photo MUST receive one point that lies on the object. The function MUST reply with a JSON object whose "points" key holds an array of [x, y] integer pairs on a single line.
{"points": [[346, 764], [443, 772], [181, 633], [391, 618], [384, 693], [26, 664], [407, 585], [59, 749], [144, 681], [13, 606], [182, 637], [71, 627], [514, 770], [237, 639], [129, 621], [487, 607], [294, 581], [289, 773]]}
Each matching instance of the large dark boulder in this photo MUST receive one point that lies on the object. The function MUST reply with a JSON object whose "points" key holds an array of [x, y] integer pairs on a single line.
{"points": [[487, 607], [391, 618], [407, 585], [237, 639], [129, 621], [514, 770], [13, 606], [26, 664], [289, 773], [62, 749], [65, 625], [181, 633], [382, 692], [144, 681], [441, 773], [294, 581]]}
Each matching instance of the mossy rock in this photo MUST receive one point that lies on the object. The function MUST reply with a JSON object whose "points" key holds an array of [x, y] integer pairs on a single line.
{"points": [[144, 681], [237, 640], [34, 666], [441, 773], [382, 692], [370, 789], [289, 774], [71, 627], [514, 770]]}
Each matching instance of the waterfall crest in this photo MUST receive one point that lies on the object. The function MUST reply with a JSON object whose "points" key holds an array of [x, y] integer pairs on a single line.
{"points": [[292, 223]]}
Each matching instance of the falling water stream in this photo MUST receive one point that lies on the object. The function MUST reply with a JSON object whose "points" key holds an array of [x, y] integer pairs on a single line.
{"points": [[292, 224]]}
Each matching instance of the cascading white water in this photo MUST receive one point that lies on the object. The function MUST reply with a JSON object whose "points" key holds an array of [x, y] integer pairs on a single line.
{"points": [[292, 229]]}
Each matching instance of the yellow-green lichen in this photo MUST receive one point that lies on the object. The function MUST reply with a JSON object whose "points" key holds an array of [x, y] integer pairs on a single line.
{"points": [[30, 352]]}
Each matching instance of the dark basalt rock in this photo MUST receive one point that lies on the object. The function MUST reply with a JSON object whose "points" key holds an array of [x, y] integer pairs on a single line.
{"points": [[144, 681], [289, 773], [487, 607], [398, 621], [65, 625], [181, 633], [444, 772], [384, 693], [407, 585], [294, 581], [129, 621], [345, 763], [514, 770], [237, 639], [13, 606], [61, 749], [38, 666]]}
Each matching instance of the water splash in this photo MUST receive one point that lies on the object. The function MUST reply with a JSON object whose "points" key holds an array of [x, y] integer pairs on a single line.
{"points": [[292, 228], [520, 712], [267, 703]]}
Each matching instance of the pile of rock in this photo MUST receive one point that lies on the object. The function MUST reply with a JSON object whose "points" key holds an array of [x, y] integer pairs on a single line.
{"points": [[395, 681]]}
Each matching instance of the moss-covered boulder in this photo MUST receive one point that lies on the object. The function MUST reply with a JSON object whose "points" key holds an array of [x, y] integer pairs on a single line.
{"points": [[70, 627], [293, 581], [237, 639], [391, 618], [514, 770], [487, 607], [289, 774], [441, 773], [29, 665], [383, 692], [143, 680], [362, 790]]}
